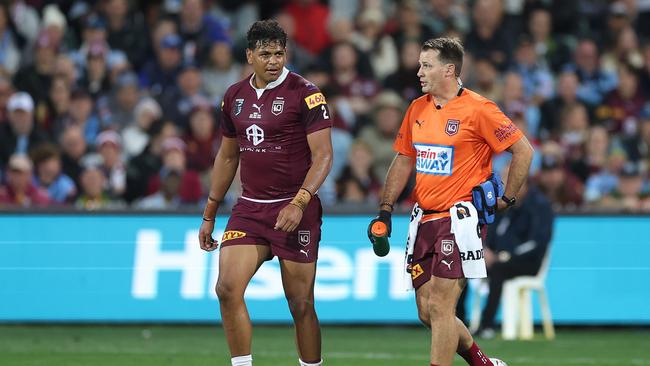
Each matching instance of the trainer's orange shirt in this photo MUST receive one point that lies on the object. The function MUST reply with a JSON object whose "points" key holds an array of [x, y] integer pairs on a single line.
{"points": [[452, 147]]}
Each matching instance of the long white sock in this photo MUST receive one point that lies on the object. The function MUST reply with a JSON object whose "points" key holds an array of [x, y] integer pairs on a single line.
{"points": [[246, 360], [303, 363]]}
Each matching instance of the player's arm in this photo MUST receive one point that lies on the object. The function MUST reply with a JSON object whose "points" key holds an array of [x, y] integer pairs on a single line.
{"points": [[522, 155], [223, 172], [320, 144]]}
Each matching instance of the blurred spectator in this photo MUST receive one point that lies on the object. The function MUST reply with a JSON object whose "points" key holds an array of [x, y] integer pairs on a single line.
{"points": [[20, 191], [55, 25], [629, 194], [64, 67], [109, 146], [96, 78], [298, 58], [378, 46], [489, 37], [49, 176], [25, 19], [645, 73], [622, 106], [551, 110], [159, 75], [9, 51], [594, 83], [167, 197], [637, 147], [58, 111], [550, 48], [173, 158], [605, 181], [20, 135], [148, 162], [514, 100], [536, 77], [125, 30], [486, 79], [410, 24], [198, 31], [388, 110], [310, 18], [83, 115], [181, 98], [220, 71], [6, 90], [117, 111], [93, 195], [404, 80], [202, 141], [357, 183], [35, 78], [624, 50], [136, 134], [445, 15], [74, 147], [561, 186]]}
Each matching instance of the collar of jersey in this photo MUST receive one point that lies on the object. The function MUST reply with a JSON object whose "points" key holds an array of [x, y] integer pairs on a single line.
{"points": [[270, 85]]}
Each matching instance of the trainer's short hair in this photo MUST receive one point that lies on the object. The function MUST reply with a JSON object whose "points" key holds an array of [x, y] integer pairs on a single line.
{"points": [[264, 32], [450, 51]]}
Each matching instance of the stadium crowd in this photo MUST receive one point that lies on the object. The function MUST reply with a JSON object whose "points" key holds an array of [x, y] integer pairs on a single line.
{"points": [[115, 103]]}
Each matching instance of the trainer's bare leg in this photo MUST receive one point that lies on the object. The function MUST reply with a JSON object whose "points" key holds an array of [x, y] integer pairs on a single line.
{"points": [[436, 301], [237, 265], [298, 281]]}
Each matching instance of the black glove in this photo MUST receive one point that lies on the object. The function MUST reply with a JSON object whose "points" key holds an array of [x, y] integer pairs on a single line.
{"points": [[385, 217]]}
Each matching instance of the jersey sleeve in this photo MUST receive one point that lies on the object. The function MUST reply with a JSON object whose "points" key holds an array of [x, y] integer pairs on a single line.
{"points": [[496, 128], [227, 126], [404, 141], [315, 111]]}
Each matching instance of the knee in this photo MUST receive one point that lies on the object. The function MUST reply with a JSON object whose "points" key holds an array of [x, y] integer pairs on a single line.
{"points": [[227, 292], [300, 307]]}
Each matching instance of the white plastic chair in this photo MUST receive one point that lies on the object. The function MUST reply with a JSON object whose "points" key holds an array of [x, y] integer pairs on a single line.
{"points": [[516, 304]]}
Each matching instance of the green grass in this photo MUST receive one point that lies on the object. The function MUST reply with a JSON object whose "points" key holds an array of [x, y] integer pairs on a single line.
{"points": [[27, 345]]}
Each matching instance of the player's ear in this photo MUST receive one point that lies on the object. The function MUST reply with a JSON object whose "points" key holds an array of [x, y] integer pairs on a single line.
{"points": [[249, 56]]}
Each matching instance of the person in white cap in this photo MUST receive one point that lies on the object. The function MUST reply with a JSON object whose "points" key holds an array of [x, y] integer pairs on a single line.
{"points": [[20, 191], [20, 134]]}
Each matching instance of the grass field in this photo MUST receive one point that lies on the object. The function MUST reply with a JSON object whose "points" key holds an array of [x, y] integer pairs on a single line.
{"points": [[33, 345]]}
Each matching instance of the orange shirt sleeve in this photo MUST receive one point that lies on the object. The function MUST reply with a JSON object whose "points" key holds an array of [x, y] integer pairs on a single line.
{"points": [[404, 141], [496, 128]]}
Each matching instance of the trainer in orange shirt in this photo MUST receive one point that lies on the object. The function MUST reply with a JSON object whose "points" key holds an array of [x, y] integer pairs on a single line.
{"points": [[449, 136]]}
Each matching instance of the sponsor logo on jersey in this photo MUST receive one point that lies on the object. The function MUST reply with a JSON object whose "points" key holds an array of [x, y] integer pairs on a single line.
{"points": [[447, 247], [258, 112], [452, 127], [277, 107], [504, 131], [472, 255], [434, 159], [315, 100], [232, 234], [255, 134], [416, 271], [236, 109], [304, 237]]}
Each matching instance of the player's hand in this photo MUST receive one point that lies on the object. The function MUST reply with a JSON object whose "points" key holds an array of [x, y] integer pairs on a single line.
{"points": [[205, 236], [384, 216], [501, 204], [288, 218]]}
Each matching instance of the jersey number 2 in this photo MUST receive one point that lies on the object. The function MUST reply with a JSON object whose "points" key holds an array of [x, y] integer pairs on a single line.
{"points": [[325, 115]]}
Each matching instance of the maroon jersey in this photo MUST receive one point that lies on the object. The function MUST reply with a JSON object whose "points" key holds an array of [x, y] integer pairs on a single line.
{"points": [[271, 126]]}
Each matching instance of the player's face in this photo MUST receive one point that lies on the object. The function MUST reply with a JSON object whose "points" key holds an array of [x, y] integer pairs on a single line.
{"points": [[432, 72], [267, 59]]}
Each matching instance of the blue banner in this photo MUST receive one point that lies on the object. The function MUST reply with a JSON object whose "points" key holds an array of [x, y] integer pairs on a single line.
{"points": [[135, 268]]}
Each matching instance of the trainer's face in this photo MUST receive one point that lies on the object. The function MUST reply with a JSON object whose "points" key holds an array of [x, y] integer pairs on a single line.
{"points": [[432, 72], [267, 60]]}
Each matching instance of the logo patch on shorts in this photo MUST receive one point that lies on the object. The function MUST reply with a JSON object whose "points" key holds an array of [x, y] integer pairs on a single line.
{"points": [[447, 247], [416, 271], [304, 237], [232, 234]]}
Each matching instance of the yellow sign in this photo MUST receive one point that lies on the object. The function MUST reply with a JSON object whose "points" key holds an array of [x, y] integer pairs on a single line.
{"points": [[315, 100], [229, 235], [416, 271]]}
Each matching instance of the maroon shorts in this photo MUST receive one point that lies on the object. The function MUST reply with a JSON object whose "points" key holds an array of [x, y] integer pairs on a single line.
{"points": [[436, 252], [252, 223]]}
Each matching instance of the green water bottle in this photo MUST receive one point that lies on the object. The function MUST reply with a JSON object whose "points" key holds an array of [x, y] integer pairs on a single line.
{"points": [[380, 244]]}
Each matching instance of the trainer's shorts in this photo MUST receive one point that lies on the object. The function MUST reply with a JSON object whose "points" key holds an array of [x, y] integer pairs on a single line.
{"points": [[252, 223], [435, 252]]}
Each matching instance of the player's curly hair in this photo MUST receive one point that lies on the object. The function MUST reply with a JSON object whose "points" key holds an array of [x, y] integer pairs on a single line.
{"points": [[451, 51], [263, 32]]}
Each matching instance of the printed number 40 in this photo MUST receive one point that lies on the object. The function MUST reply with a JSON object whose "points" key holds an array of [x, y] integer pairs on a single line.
{"points": [[325, 115]]}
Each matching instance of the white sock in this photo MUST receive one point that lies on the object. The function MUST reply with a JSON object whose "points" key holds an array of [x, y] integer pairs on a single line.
{"points": [[303, 363], [242, 360]]}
